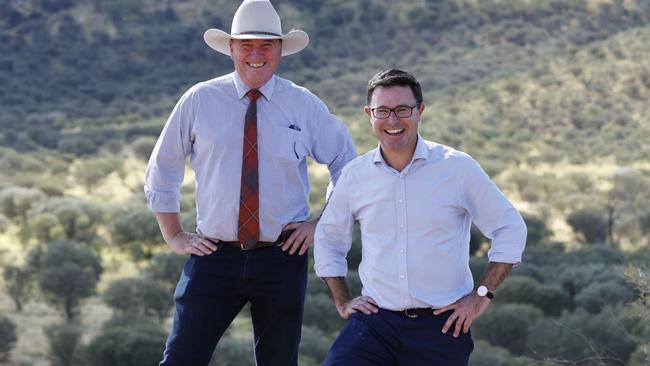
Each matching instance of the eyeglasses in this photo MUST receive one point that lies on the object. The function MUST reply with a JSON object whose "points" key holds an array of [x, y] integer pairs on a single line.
{"points": [[400, 112]]}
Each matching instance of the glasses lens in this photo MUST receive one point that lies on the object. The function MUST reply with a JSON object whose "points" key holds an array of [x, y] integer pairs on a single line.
{"points": [[381, 112], [403, 112]]}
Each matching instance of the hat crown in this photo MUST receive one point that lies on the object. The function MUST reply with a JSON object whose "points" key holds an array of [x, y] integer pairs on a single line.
{"points": [[256, 16]]}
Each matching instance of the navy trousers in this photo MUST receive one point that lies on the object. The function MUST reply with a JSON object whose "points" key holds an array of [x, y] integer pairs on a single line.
{"points": [[214, 288], [391, 338]]}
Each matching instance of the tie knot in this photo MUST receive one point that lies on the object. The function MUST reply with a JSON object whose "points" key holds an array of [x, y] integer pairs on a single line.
{"points": [[253, 95]]}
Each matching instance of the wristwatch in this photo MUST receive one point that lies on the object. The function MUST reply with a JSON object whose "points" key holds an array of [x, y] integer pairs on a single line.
{"points": [[483, 291]]}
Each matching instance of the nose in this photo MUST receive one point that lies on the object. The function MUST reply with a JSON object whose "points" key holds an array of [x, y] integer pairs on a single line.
{"points": [[392, 118]]}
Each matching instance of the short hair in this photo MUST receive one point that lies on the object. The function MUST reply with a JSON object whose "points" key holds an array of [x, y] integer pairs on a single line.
{"points": [[394, 77]]}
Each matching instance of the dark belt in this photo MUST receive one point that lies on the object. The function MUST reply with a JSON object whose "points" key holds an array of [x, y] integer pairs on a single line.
{"points": [[260, 244], [415, 312]]}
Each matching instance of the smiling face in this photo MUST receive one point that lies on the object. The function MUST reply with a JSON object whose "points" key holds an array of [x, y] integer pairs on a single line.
{"points": [[397, 136], [256, 60]]}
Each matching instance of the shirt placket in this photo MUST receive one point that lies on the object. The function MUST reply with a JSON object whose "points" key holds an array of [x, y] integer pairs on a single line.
{"points": [[402, 239]]}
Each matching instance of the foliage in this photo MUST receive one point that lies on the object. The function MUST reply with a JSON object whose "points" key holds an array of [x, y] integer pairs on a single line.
{"points": [[314, 345], [551, 299], [232, 352], [579, 335], [65, 218], [64, 339], [165, 268], [8, 337], [67, 272], [136, 231], [507, 326], [133, 345], [139, 296], [591, 224], [18, 283], [486, 355], [91, 172], [597, 295]]}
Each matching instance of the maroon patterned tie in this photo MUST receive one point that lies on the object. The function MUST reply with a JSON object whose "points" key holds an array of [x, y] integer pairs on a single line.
{"points": [[249, 202]]}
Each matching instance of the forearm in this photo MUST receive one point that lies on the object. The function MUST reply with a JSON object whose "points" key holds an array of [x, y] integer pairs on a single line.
{"points": [[338, 289], [495, 274], [170, 225]]}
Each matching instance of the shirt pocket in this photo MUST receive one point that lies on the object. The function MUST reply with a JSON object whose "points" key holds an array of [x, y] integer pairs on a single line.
{"points": [[288, 145]]}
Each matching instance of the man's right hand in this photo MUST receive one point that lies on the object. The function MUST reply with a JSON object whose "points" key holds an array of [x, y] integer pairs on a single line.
{"points": [[189, 243], [365, 304]]}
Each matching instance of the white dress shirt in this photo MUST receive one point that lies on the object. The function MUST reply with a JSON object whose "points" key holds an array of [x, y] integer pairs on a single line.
{"points": [[208, 125], [415, 226]]}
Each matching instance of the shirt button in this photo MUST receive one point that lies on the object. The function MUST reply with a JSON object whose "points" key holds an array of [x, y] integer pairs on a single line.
{"points": [[401, 251], [400, 201], [401, 226], [401, 276]]}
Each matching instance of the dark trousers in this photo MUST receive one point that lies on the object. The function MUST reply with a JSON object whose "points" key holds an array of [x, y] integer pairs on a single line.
{"points": [[391, 338], [214, 288]]}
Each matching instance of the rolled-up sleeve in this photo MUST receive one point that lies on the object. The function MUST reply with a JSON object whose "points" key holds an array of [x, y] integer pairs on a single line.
{"points": [[166, 167], [332, 145], [493, 214], [333, 237]]}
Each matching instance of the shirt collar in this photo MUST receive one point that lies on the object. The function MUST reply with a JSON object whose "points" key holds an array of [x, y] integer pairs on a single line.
{"points": [[421, 152], [242, 88]]}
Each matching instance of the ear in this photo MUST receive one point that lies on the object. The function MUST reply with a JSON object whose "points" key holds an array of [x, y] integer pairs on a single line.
{"points": [[230, 45], [367, 110], [421, 108]]}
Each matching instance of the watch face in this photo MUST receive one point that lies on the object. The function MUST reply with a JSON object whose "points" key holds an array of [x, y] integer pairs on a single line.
{"points": [[482, 290]]}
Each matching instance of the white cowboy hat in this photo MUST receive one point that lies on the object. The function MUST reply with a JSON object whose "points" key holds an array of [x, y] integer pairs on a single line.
{"points": [[256, 19]]}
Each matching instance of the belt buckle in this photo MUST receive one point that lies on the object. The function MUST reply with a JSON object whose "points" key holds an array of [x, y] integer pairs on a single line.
{"points": [[412, 316], [241, 245]]}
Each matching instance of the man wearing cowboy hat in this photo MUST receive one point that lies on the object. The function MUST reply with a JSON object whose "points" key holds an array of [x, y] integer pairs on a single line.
{"points": [[248, 134], [418, 299]]}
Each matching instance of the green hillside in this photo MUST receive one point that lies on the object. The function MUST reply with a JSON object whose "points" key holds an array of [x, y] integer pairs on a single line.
{"points": [[550, 96]]}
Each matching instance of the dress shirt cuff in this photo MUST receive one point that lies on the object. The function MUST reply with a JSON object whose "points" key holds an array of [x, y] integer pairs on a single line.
{"points": [[503, 257], [331, 269], [159, 201]]}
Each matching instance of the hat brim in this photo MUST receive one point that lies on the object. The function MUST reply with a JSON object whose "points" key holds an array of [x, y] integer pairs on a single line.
{"points": [[292, 42]]}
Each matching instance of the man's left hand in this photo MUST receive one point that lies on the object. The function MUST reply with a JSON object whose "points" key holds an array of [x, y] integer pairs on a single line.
{"points": [[301, 238], [466, 310]]}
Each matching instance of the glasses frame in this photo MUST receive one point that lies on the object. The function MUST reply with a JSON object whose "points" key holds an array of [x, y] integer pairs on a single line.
{"points": [[393, 110]]}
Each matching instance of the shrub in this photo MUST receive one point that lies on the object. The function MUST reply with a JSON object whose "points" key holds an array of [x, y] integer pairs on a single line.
{"points": [[551, 299], [8, 337], [134, 345], [506, 325]]}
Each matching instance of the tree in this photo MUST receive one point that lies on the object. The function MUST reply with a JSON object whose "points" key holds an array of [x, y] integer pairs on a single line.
{"points": [[64, 341], [551, 298], [67, 272], [133, 345], [143, 146], [7, 337], [76, 219], [92, 171], [590, 224], [166, 268], [487, 355], [506, 325], [139, 296], [597, 295], [136, 231], [537, 230], [16, 201], [18, 282]]}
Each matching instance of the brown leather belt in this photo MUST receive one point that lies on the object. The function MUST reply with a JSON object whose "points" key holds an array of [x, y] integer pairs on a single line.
{"points": [[260, 244]]}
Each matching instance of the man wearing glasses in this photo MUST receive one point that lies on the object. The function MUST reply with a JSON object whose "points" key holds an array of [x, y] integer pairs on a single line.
{"points": [[415, 201]]}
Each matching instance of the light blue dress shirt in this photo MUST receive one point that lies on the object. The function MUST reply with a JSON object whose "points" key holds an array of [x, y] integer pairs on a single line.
{"points": [[207, 124], [415, 226]]}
